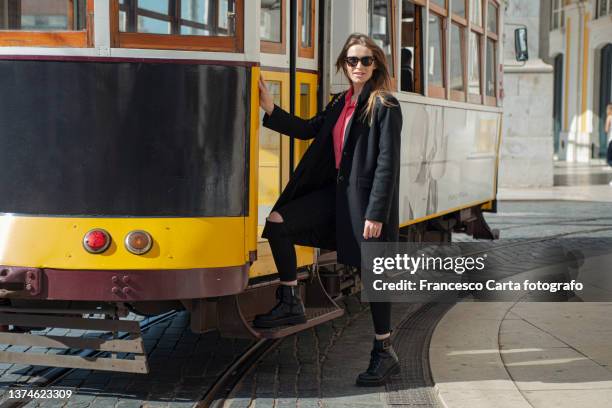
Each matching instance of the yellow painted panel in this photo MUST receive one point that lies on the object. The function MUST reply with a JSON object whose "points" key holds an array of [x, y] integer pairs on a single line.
{"points": [[306, 112], [179, 243], [269, 176]]}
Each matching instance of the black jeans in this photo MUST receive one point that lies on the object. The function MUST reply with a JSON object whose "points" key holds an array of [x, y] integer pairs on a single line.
{"points": [[306, 214]]}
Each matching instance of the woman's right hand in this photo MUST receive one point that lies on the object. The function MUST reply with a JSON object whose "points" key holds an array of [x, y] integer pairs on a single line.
{"points": [[265, 99]]}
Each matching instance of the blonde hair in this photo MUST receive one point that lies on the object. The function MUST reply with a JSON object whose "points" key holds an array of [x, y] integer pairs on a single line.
{"points": [[381, 79], [609, 109]]}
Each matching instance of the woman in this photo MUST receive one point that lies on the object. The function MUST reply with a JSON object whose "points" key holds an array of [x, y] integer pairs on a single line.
{"points": [[344, 190]]}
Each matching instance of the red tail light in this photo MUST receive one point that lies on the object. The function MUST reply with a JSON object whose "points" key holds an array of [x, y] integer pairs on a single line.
{"points": [[96, 241]]}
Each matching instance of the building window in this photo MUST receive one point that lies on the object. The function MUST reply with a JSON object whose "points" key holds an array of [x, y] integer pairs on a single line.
{"points": [[412, 49], [604, 7], [306, 18], [29, 22], [207, 25], [272, 26], [381, 30], [557, 15]]}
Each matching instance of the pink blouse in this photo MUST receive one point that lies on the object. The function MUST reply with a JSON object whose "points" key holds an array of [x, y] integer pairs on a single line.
{"points": [[340, 127]]}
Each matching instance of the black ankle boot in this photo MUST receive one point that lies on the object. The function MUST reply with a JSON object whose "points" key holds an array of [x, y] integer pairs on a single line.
{"points": [[383, 364], [288, 310]]}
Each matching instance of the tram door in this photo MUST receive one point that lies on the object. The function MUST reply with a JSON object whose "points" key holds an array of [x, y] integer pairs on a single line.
{"points": [[272, 161]]}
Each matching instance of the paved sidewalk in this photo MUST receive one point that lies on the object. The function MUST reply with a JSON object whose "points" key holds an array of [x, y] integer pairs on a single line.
{"points": [[598, 193], [539, 355], [572, 181]]}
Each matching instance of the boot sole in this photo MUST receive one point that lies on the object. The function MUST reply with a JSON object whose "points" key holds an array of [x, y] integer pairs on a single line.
{"points": [[382, 381], [280, 322]]}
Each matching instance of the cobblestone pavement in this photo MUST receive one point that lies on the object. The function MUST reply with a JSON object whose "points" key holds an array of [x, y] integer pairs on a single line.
{"points": [[318, 367], [315, 368], [182, 365]]}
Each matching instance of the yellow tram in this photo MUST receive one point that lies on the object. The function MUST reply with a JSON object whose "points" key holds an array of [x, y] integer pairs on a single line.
{"points": [[136, 175]]}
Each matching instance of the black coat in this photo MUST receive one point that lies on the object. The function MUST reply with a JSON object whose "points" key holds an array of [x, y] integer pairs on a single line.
{"points": [[367, 180]]}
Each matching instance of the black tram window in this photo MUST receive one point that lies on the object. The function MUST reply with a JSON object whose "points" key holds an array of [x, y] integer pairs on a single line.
{"points": [[412, 48]]}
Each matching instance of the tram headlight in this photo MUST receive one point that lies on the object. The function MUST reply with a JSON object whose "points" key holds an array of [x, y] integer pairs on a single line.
{"points": [[96, 241], [138, 242]]}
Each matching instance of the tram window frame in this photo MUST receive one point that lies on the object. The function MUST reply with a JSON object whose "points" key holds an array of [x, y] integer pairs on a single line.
{"points": [[392, 26], [436, 91], [461, 21], [479, 32], [417, 55], [306, 52], [493, 38], [177, 41], [275, 47], [53, 38]]}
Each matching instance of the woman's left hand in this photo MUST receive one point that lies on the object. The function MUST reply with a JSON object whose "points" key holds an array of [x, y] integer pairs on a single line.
{"points": [[372, 229]]}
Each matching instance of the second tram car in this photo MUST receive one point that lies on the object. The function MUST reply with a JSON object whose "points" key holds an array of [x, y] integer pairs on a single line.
{"points": [[136, 175]]}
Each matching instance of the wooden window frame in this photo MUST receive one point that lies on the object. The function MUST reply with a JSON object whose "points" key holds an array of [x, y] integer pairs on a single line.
{"points": [[480, 35], [436, 91], [457, 17], [463, 23], [455, 95], [306, 52], [68, 38], [490, 100], [392, 4], [177, 41], [417, 80], [273, 47], [496, 32], [439, 10]]}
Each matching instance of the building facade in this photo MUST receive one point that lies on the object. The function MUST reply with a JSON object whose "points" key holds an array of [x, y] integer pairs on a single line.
{"points": [[526, 151], [576, 38]]}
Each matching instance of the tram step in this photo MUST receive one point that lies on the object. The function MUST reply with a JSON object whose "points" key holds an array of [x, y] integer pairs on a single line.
{"points": [[314, 316], [236, 313], [132, 344]]}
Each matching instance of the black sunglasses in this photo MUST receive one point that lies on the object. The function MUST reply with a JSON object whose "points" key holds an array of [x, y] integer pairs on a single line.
{"points": [[353, 61]]}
